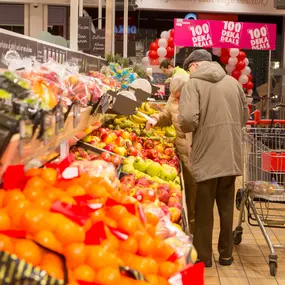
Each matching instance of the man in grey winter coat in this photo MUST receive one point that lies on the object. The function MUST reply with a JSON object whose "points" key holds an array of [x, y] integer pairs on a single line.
{"points": [[213, 106]]}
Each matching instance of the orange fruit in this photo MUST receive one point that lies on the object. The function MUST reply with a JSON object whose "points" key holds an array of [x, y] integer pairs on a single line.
{"points": [[35, 220], [84, 273], [53, 258], [49, 175], [111, 243], [75, 255], [152, 266], [110, 222], [67, 200], [108, 276], [130, 245], [151, 218], [5, 222], [42, 203], [36, 183], [162, 250], [126, 280], [33, 172], [6, 244], [48, 240], [117, 212], [53, 270], [146, 245], [97, 190], [2, 196], [33, 194], [151, 230], [128, 224], [68, 232], [53, 194], [98, 258], [98, 216], [28, 251], [13, 195], [75, 190], [167, 269], [152, 279], [16, 210]]}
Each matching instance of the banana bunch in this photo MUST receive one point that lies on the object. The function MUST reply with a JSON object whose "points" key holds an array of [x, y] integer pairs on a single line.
{"points": [[137, 119], [147, 109], [169, 131]]}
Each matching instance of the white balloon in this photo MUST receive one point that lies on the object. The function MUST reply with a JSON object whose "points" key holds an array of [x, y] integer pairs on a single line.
{"points": [[246, 61], [246, 70], [249, 91], [177, 49], [249, 100], [234, 52], [165, 35], [233, 61], [145, 60], [243, 79], [229, 69], [217, 51], [162, 52], [162, 43], [147, 53]]}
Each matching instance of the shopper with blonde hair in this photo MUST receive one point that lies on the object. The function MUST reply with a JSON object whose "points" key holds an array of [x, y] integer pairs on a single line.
{"points": [[183, 141]]}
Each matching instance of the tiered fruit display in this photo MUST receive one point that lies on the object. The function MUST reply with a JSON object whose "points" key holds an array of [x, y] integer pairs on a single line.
{"points": [[148, 191], [97, 229]]}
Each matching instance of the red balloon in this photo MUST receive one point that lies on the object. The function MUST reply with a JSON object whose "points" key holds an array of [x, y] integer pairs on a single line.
{"points": [[249, 77], [236, 74], [224, 59], [249, 85], [154, 62], [154, 46], [240, 65], [171, 42], [225, 52], [241, 56], [153, 54], [171, 33], [170, 52]]}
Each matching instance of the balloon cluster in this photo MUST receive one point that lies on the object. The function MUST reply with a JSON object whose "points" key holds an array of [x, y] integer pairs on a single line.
{"points": [[236, 65], [162, 48]]}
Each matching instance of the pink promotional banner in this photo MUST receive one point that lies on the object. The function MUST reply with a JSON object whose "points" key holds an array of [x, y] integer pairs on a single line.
{"points": [[223, 34]]}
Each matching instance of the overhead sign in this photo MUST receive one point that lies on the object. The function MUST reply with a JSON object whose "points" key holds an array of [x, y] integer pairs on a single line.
{"points": [[263, 7], [223, 34]]}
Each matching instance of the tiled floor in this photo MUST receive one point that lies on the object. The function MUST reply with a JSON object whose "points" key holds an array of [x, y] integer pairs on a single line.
{"points": [[250, 265]]}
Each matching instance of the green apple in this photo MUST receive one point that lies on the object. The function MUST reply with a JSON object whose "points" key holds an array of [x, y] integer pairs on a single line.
{"points": [[128, 168], [158, 180], [177, 180], [174, 185], [168, 173], [153, 169], [139, 174], [120, 150], [129, 160], [140, 164]]}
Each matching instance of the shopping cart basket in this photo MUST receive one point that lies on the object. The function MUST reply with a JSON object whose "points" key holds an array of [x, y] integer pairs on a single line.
{"points": [[263, 192]]}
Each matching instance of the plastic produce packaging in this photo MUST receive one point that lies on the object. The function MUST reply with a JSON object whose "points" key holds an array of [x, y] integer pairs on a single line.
{"points": [[266, 188]]}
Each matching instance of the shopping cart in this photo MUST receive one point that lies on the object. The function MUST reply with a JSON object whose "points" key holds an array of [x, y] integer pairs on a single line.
{"points": [[263, 192]]}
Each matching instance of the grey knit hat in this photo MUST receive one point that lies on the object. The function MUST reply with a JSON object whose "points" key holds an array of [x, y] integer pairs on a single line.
{"points": [[196, 56]]}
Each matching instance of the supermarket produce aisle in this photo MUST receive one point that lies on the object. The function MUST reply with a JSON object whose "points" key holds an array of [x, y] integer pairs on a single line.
{"points": [[250, 265]]}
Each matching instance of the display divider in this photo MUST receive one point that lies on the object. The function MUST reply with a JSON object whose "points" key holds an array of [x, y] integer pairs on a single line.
{"points": [[42, 51]]}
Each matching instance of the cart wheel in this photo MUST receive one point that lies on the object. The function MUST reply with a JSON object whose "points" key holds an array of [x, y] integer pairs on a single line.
{"points": [[273, 268], [239, 197], [237, 236]]}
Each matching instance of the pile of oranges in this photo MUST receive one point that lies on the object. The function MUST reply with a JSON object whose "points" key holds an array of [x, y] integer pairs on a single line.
{"points": [[129, 240]]}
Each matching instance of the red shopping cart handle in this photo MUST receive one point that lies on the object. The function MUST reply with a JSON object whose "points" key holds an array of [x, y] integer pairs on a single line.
{"points": [[258, 121]]}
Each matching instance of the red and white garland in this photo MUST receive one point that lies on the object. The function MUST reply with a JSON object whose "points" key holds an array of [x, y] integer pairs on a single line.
{"points": [[236, 65], [162, 48]]}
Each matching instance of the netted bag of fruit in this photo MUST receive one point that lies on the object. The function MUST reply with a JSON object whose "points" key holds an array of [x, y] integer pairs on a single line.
{"points": [[99, 168], [24, 261], [46, 83]]}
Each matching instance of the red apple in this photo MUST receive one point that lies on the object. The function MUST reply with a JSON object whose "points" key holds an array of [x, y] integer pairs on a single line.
{"points": [[148, 144], [110, 147], [159, 148], [106, 156], [143, 182], [169, 152], [116, 160], [118, 133], [132, 151], [108, 138], [154, 153], [163, 195], [157, 160], [129, 180], [132, 137], [119, 141], [149, 195], [140, 140], [139, 195], [138, 146], [102, 131]]}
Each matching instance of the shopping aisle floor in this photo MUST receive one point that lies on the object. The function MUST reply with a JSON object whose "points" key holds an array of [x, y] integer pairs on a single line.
{"points": [[250, 265]]}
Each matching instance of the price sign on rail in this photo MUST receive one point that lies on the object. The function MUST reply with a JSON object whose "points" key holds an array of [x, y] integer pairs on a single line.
{"points": [[224, 34]]}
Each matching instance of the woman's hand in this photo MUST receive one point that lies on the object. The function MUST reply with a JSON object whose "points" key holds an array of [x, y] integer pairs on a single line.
{"points": [[151, 123]]}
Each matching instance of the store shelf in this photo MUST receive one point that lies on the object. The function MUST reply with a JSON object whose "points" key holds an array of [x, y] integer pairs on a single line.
{"points": [[37, 148]]}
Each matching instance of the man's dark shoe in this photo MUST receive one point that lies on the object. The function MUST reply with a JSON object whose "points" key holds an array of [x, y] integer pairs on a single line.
{"points": [[206, 263], [226, 261]]}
